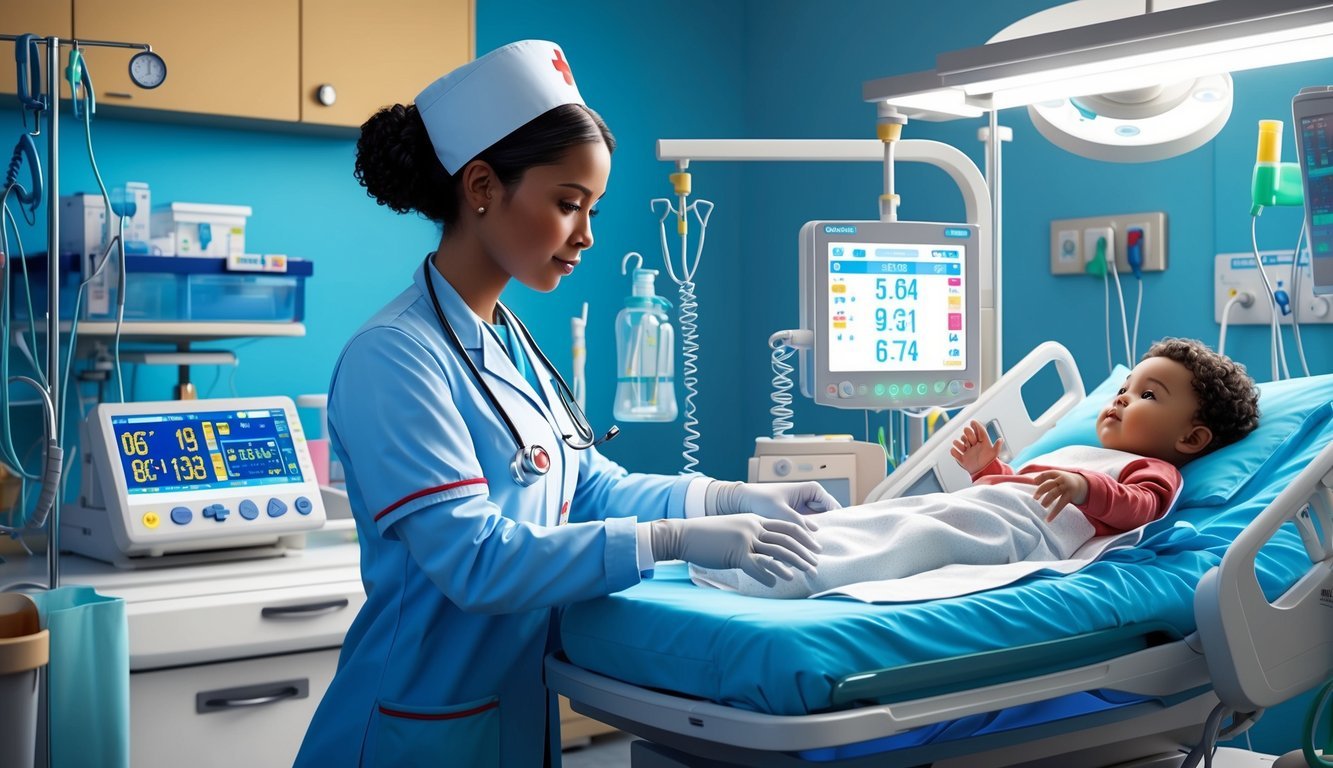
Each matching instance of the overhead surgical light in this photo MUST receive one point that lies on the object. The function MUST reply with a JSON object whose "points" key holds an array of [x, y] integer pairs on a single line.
{"points": [[1116, 80]]}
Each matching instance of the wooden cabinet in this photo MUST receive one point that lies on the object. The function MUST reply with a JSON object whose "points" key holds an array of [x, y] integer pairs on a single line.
{"points": [[366, 55], [238, 58], [39, 17], [258, 59], [577, 730]]}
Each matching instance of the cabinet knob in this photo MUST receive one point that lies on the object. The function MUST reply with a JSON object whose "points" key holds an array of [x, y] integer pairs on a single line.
{"points": [[326, 95]]}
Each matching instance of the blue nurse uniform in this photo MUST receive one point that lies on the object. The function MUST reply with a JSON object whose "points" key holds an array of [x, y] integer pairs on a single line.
{"points": [[462, 567]]}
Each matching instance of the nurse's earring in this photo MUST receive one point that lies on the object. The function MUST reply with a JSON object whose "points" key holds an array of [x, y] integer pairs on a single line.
{"points": [[481, 210]]}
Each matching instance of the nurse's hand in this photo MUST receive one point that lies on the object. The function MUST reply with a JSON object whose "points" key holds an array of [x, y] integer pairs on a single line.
{"points": [[767, 550], [776, 501]]}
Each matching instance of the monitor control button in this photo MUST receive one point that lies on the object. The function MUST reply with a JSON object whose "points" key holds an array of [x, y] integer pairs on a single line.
{"points": [[782, 467], [181, 515], [846, 389], [955, 387], [248, 509], [303, 505], [276, 508]]}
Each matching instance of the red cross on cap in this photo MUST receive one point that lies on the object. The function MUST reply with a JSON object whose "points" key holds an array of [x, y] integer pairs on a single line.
{"points": [[563, 66]]}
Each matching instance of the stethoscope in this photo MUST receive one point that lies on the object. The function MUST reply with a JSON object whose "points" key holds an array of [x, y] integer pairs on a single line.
{"points": [[532, 462]]}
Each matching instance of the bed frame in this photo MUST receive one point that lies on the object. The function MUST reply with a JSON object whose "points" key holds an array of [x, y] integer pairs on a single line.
{"points": [[1248, 652]]}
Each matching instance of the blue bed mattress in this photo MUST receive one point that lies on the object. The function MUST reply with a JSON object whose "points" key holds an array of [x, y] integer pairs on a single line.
{"points": [[784, 657]]}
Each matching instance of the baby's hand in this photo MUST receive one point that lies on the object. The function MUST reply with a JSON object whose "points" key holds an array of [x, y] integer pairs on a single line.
{"points": [[1056, 488], [974, 450]]}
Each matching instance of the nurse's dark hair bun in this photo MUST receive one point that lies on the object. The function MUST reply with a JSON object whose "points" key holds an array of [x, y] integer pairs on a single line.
{"points": [[397, 165]]}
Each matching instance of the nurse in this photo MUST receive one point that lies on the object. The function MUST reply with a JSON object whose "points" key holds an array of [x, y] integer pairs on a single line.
{"points": [[480, 501]]}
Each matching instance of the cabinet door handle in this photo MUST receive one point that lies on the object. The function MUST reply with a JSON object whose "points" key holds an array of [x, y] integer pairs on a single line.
{"points": [[326, 94], [303, 610], [117, 95], [250, 695]]}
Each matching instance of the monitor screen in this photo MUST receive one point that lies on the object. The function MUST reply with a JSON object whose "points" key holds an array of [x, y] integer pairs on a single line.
{"points": [[169, 452], [896, 307], [1317, 164]]}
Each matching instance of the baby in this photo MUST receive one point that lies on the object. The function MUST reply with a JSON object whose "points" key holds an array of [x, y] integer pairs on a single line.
{"points": [[1180, 402]]}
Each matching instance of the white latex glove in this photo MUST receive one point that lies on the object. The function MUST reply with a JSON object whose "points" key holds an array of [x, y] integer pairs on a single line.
{"points": [[765, 549], [776, 501]]}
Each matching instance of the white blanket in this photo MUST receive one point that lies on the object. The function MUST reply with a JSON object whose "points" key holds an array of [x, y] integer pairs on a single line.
{"points": [[934, 546]]}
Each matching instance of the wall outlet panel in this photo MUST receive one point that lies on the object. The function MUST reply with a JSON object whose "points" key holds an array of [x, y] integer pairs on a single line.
{"points": [[1234, 273], [1069, 255]]}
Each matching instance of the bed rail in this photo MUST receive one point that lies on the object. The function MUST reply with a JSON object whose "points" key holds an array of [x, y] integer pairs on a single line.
{"points": [[1259, 653], [1002, 408]]}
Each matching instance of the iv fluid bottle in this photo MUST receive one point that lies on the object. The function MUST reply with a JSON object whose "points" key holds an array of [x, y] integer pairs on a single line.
{"points": [[645, 355]]}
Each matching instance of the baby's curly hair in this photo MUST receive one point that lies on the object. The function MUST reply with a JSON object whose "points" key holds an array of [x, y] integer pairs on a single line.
{"points": [[1228, 400]]}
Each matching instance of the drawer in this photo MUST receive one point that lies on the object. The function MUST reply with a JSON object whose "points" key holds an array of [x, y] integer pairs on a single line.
{"points": [[256, 711], [236, 625]]}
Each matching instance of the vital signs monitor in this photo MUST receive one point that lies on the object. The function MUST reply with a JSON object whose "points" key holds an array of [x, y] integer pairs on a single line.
{"points": [[192, 475], [894, 308], [1312, 113]]}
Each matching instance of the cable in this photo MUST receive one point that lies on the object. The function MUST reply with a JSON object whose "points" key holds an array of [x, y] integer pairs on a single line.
{"points": [[689, 303], [782, 384], [1138, 311], [1275, 336], [54, 459], [1296, 276], [1106, 296], [1311, 722], [1124, 321], [1243, 298]]}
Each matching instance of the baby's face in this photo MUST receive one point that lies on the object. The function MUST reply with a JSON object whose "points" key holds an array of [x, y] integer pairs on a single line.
{"points": [[1153, 414]]}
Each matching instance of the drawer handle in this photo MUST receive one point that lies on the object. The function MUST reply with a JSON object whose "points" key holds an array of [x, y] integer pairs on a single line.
{"points": [[250, 695], [304, 610]]}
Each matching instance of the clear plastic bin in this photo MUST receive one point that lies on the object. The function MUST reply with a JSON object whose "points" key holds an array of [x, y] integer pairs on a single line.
{"points": [[174, 289]]}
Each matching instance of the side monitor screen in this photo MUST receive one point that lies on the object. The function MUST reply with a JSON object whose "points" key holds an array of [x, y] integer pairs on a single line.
{"points": [[1317, 163]]}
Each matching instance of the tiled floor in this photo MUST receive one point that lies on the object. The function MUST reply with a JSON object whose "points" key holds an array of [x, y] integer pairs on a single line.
{"points": [[607, 751]]}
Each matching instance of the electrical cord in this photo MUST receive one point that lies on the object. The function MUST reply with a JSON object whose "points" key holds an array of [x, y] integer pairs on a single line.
{"points": [[1138, 312], [783, 346], [1243, 298], [1124, 320], [1296, 278], [1275, 337]]}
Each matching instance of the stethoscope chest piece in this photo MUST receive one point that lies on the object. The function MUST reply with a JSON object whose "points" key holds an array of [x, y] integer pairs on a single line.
{"points": [[530, 464]]}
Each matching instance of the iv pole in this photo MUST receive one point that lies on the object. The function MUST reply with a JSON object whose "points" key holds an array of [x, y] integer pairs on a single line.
{"points": [[52, 110]]}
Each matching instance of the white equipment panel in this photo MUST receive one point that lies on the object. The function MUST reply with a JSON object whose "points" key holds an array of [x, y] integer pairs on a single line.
{"points": [[184, 476], [1234, 273]]}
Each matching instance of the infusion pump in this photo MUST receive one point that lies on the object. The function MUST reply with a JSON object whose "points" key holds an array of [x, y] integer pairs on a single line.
{"points": [[219, 479]]}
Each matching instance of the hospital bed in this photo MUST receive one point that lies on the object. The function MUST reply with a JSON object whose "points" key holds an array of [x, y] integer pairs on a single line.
{"points": [[1116, 664]]}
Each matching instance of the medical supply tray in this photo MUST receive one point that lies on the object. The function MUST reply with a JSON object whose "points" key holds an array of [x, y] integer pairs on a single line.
{"points": [[165, 288]]}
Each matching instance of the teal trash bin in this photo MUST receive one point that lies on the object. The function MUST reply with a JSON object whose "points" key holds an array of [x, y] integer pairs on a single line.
{"points": [[24, 650], [88, 678]]}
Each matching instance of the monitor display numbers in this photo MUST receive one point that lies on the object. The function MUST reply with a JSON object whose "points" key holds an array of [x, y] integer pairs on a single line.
{"points": [[202, 451], [1317, 161], [896, 307]]}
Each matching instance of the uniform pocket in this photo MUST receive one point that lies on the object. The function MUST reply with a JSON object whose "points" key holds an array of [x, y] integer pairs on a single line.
{"points": [[461, 734]]}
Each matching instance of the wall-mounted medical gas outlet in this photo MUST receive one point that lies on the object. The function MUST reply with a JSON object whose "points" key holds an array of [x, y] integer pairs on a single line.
{"points": [[1069, 238], [1234, 273]]}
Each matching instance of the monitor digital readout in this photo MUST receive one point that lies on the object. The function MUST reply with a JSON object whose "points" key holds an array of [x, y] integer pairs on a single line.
{"points": [[896, 307], [170, 452], [1316, 145]]}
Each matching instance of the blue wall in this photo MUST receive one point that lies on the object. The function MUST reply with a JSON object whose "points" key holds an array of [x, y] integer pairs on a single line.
{"points": [[307, 204], [762, 68]]}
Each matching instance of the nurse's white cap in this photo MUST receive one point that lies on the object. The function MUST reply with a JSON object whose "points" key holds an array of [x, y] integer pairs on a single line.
{"points": [[481, 102]]}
